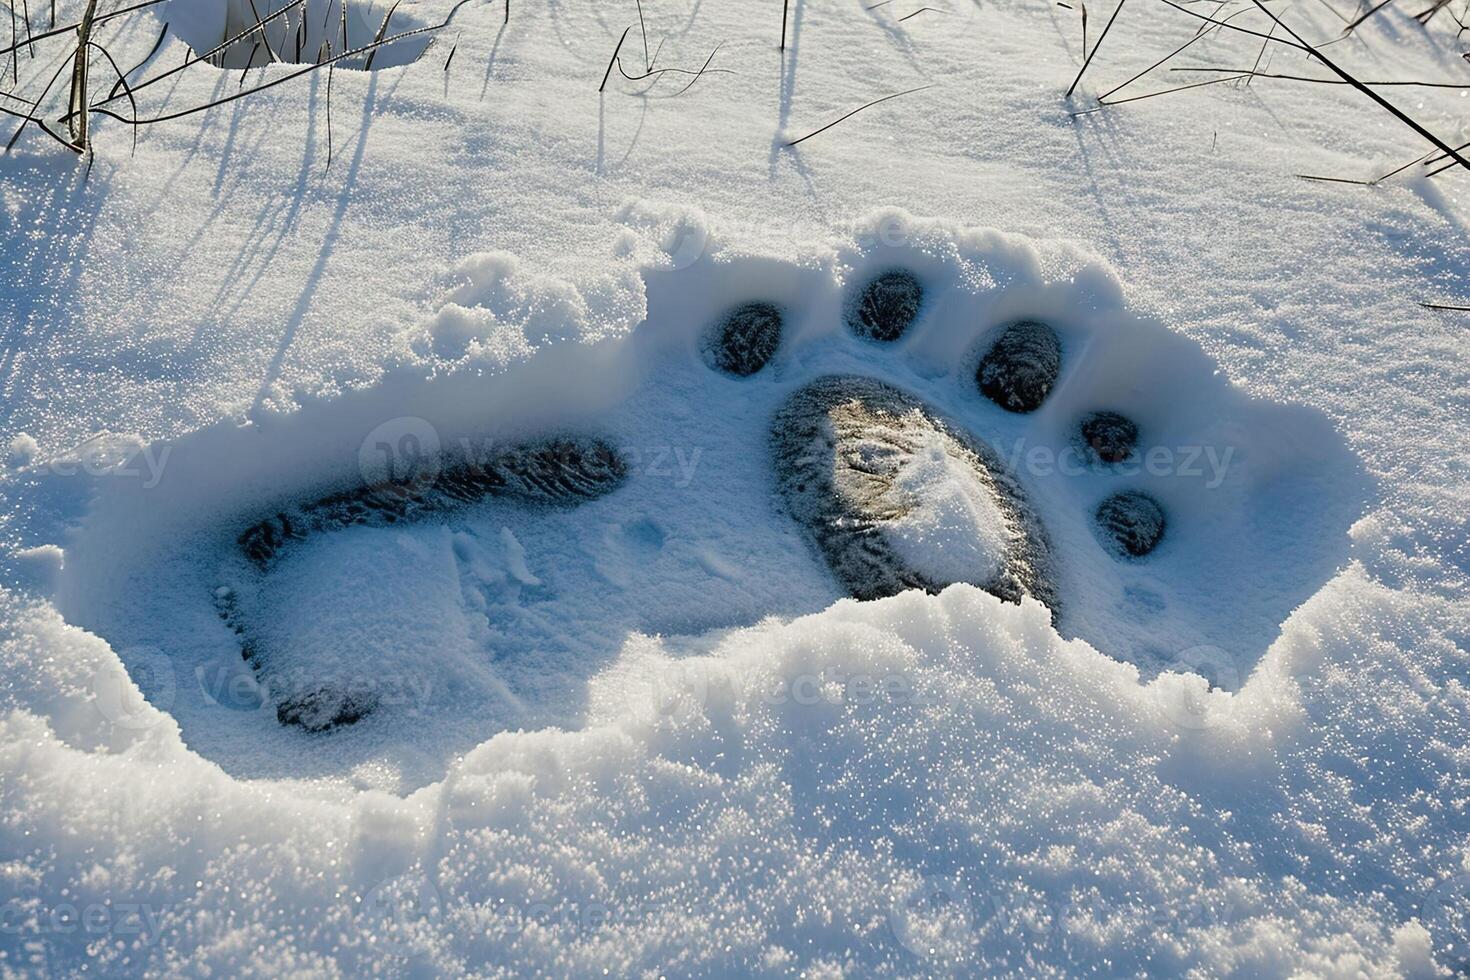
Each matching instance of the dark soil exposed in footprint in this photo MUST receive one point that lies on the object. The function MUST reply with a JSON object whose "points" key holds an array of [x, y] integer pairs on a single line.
{"points": [[555, 471], [842, 447], [1110, 436], [887, 306], [325, 708], [1131, 523], [744, 340], [1019, 370]]}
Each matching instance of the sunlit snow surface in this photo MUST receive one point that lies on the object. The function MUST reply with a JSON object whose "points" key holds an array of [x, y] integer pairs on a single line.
{"points": [[645, 734]]}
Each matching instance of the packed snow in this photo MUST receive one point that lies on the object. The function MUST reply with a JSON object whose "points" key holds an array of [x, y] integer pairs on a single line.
{"points": [[646, 734]]}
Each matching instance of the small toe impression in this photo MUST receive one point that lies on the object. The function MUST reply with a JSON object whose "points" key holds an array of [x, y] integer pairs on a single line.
{"points": [[1019, 370], [1130, 524], [325, 708], [887, 306], [895, 498], [745, 340], [1111, 437]]}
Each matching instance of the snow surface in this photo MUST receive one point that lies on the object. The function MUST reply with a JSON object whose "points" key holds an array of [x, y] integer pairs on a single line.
{"points": [[645, 735], [956, 528]]}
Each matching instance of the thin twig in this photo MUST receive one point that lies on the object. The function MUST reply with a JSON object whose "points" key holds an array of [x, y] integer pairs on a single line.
{"points": [[71, 27], [856, 111], [1371, 11], [26, 117], [647, 64], [126, 90], [1337, 180], [1325, 81], [218, 49], [1261, 54], [272, 83], [614, 59], [77, 118], [1232, 27], [146, 58], [245, 72], [382, 30], [1204, 32], [36, 107], [655, 72], [1167, 91], [1088, 60], [269, 51], [1332, 65], [25, 8], [331, 69], [702, 69]]}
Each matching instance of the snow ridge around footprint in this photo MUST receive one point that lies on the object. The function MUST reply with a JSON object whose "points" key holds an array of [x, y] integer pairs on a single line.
{"points": [[370, 585]]}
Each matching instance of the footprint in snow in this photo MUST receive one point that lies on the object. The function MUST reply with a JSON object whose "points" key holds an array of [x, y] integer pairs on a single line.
{"points": [[773, 437]]}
